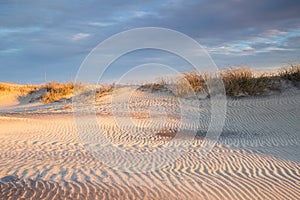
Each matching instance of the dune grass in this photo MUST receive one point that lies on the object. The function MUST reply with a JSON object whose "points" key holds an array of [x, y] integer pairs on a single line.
{"points": [[3, 87], [291, 73], [190, 83], [62, 91], [19, 89], [160, 85], [237, 82], [241, 81], [57, 91]]}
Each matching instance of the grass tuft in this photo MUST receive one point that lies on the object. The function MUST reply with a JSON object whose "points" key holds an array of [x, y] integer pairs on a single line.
{"points": [[242, 81], [57, 91], [291, 73]]}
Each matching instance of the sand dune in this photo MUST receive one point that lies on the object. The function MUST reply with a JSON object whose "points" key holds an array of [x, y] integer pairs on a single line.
{"points": [[256, 156]]}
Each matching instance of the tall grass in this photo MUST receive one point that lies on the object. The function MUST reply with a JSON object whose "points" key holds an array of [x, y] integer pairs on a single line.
{"points": [[4, 87], [57, 91], [240, 81], [237, 81], [291, 73], [190, 84]]}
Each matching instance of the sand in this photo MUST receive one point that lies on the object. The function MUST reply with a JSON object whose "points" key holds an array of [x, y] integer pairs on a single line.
{"points": [[256, 156]]}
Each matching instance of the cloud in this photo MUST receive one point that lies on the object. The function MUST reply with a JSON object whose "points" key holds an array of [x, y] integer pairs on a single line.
{"points": [[250, 32], [9, 51], [268, 41], [80, 36], [101, 24]]}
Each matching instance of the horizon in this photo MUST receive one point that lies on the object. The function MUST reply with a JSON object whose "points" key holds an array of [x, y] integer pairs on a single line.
{"points": [[52, 39]]}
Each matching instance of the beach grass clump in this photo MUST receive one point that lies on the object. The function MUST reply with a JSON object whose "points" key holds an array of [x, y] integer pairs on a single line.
{"points": [[57, 91], [190, 83], [4, 87], [154, 87], [104, 89], [237, 81], [242, 81], [291, 73]]}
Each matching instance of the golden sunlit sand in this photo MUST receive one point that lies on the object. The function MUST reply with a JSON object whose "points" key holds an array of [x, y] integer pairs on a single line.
{"points": [[256, 156]]}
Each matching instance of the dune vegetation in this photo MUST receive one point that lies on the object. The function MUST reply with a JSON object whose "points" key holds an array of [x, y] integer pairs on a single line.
{"points": [[291, 73], [240, 81], [52, 91]]}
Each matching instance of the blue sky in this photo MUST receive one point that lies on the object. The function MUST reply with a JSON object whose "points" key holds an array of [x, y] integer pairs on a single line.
{"points": [[55, 36]]}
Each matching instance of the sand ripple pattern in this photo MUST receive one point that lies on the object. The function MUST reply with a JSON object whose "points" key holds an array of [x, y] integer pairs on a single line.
{"points": [[257, 155]]}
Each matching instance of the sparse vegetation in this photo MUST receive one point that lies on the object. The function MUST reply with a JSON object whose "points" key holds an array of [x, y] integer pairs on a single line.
{"points": [[191, 83], [105, 88], [57, 91], [291, 73], [20, 89], [237, 81], [3, 87], [154, 87], [243, 81]]}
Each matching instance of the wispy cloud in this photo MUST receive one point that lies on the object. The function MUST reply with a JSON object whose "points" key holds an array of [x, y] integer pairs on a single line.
{"points": [[80, 36], [101, 24], [14, 30], [9, 51], [268, 41]]}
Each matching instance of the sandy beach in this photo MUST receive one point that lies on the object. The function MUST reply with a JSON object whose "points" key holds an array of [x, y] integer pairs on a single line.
{"points": [[151, 100], [256, 156]]}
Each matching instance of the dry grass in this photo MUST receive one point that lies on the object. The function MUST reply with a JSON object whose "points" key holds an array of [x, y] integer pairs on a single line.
{"points": [[154, 87], [242, 81], [190, 84], [237, 81], [104, 89], [19, 89], [53, 91], [61, 91], [291, 73], [4, 87], [57, 91]]}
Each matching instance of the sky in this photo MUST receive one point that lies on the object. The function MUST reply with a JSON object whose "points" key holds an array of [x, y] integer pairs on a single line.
{"points": [[42, 39]]}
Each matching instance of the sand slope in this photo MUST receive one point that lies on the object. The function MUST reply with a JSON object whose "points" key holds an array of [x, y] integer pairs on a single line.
{"points": [[256, 157]]}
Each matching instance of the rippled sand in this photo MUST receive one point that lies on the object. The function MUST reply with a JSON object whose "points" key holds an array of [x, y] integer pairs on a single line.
{"points": [[256, 157]]}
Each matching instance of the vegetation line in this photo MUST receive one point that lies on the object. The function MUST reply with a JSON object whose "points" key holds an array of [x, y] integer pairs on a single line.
{"points": [[240, 81], [237, 82]]}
